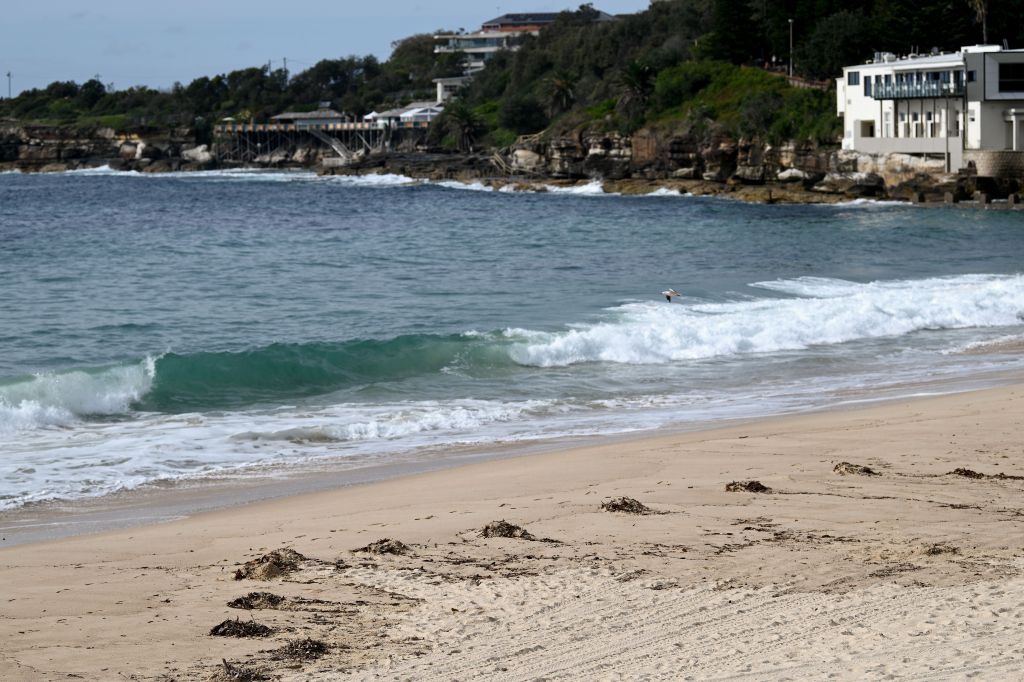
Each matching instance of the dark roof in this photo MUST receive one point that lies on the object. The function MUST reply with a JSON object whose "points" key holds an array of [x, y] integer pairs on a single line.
{"points": [[521, 19], [305, 115], [534, 18]]}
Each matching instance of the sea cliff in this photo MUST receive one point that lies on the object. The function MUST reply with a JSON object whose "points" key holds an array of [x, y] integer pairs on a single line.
{"points": [[40, 148]]}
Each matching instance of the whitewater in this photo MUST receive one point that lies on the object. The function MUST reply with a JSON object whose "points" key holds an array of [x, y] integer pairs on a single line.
{"points": [[242, 324]]}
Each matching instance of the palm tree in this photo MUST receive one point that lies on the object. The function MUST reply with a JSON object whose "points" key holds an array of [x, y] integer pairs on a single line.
{"points": [[463, 123], [637, 83], [980, 8], [561, 93]]}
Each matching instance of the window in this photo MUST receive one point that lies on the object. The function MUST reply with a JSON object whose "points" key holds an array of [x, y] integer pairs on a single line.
{"points": [[972, 76], [888, 79], [853, 78], [944, 76], [867, 87], [1011, 77]]}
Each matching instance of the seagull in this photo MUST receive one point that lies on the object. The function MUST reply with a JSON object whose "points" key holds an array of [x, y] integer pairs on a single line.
{"points": [[668, 294]]}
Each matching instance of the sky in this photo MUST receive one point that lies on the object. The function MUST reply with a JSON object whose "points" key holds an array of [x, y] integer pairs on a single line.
{"points": [[140, 42]]}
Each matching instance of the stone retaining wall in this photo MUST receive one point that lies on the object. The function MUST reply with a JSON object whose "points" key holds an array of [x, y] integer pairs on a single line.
{"points": [[996, 164]]}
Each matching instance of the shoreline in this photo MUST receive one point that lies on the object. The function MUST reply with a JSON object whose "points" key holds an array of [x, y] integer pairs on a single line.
{"points": [[768, 193], [166, 501], [844, 567]]}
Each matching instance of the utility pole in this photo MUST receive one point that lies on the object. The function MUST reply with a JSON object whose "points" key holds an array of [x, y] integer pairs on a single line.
{"points": [[790, 48], [8, 85], [286, 69]]}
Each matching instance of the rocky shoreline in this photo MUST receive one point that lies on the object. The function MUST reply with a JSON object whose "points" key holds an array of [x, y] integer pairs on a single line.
{"points": [[647, 161]]}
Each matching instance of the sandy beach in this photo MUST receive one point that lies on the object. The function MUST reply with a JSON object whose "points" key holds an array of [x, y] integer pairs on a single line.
{"points": [[891, 566]]}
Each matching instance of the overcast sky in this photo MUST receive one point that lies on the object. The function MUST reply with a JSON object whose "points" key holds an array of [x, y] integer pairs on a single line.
{"points": [[139, 42]]}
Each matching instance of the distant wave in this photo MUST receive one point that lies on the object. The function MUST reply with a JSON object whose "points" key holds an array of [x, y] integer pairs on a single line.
{"points": [[592, 188], [101, 170], [867, 203]]}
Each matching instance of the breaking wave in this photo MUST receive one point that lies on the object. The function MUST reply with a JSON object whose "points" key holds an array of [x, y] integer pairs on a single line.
{"points": [[817, 311]]}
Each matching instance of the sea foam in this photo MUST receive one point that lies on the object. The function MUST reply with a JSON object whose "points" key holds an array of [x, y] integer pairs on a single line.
{"points": [[823, 311], [57, 399]]}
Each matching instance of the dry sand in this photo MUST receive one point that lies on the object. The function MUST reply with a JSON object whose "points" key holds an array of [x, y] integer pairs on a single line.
{"points": [[912, 573]]}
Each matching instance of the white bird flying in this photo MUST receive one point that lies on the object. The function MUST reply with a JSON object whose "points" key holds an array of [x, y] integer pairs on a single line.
{"points": [[669, 293]]}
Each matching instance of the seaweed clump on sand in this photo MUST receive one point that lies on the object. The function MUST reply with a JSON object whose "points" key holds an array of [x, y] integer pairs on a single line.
{"points": [[850, 469], [747, 487], [271, 565], [941, 548], [257, 600], [307, 649], [238, 673], [625, 505], [240, 628], [966, 473], [385, 546], [504, 529]]}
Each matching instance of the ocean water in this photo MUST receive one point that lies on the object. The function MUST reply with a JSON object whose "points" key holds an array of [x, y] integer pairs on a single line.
{"points": [[175, 327]]}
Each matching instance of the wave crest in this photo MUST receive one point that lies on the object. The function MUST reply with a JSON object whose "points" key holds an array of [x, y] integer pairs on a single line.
{"points": [[57, 399], [824, 311]]}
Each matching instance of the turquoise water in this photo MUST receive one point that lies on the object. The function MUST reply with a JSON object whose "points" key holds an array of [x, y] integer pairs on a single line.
{"points": [[180, 326]]}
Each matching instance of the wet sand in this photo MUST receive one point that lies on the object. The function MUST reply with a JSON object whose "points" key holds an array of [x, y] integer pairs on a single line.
{"points": [[908, 569]]}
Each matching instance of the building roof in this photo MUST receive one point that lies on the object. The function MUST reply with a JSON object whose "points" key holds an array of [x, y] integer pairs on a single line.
{"points": [[307, 115], [535, 19], [921, 61], [454, 80], [529, 19], [395, 113]]}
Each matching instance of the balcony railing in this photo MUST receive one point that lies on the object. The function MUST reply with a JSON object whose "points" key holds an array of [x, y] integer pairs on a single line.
{"points": [[917, 90]]}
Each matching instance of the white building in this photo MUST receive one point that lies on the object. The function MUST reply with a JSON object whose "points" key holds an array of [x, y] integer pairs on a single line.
{"points": [[966, 107], [449, 87], [421, 112], [501, 33], [414, 114]]}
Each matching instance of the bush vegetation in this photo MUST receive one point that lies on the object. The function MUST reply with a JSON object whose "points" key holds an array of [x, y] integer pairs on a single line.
{"points": [[704, 66]]}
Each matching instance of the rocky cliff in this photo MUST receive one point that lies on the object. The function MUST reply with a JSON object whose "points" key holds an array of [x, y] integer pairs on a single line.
{"points": [[721, 165], [748, 169], [32, 148]]}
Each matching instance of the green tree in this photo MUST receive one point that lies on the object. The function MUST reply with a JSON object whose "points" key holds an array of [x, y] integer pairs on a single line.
{"points": [[462, 123], [522, 114], [836, 41], [980, 8], [636, 83], [90, 93], [561, 92]]}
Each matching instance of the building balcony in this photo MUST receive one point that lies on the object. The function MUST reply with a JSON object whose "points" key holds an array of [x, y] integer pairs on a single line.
{"points": [[925, 90]]}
